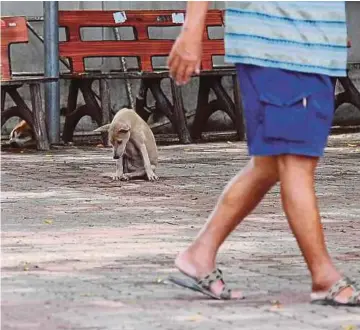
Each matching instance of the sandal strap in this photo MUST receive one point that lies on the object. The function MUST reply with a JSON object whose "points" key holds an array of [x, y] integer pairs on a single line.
{"points": [[341, 285], [355, 297], [225, 293], [215, 275]]}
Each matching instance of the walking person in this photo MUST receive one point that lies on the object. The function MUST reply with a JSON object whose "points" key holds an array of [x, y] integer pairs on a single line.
{"points": [[286, 55]]}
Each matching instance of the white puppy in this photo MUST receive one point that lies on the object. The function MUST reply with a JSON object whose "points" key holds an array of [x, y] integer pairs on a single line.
{"points": [[134, 146]]}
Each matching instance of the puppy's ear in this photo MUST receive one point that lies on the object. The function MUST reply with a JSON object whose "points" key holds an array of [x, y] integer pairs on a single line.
{"points": [[124, 128], [103, 128]]}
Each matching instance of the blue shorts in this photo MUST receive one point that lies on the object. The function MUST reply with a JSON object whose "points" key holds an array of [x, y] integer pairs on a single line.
{"points": [[286, 112]]}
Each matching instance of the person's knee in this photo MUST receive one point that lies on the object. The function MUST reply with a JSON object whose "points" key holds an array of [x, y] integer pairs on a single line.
{"points": [[265, 170], [288, 164], [259, 176]]}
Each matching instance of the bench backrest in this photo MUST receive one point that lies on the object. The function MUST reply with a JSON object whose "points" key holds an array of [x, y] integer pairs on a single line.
{"points": [[143, 47], [13, 30]]}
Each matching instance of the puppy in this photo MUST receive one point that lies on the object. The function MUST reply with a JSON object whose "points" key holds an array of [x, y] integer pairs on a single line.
{"points": [[134, 146], [22, 135]]}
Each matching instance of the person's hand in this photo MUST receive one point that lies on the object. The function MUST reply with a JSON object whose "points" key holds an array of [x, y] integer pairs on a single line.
{"points": [[185, 56]]}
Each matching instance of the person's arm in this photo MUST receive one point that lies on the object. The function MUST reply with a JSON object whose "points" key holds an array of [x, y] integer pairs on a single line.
{"points": [[195, 16], [185, 56]]}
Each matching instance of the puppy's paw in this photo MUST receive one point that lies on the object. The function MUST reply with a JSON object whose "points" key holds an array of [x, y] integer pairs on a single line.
{"points": [[124, 177], [152, 177]]}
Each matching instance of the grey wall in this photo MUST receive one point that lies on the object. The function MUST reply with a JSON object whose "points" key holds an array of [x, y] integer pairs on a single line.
{"points": [[30, 57]]}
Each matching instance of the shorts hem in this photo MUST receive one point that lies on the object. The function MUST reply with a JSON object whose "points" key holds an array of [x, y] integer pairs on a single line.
{"points": [[287, 152]]}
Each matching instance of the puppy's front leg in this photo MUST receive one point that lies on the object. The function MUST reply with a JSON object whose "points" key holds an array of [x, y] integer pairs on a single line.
{"points": [[119, 169], [148, 169]]}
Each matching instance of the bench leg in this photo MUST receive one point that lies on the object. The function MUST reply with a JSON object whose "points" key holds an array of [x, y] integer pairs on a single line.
{"points": [[179, 114], [227, 105], [140, 102], [222, 102], [3, 97], [91, 108], [21, 110], [239, 111], [90, 100], [350, 95], [39, 118], [202, 109], [73, 96], [233, 109], [106, 108], [163, 103]]}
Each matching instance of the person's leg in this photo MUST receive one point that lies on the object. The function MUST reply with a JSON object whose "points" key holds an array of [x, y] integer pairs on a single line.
{"points": [[239, 198], [296, 175]]}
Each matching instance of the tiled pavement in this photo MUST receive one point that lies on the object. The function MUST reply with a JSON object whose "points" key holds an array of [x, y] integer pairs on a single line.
{"points": [[82, 252]]}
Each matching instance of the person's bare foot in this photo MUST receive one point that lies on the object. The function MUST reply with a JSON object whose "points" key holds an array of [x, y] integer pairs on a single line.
{"points": [[188, 263]]}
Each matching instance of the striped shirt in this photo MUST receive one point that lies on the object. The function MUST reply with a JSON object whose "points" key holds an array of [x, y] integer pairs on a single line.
{"points": [[299, 36]]}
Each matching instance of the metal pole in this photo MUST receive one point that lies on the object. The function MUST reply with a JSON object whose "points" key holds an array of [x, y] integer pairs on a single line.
{"points": [[123, 67], [52, 89]]}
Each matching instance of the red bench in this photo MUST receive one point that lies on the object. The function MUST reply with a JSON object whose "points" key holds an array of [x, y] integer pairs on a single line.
{"points": [[14, 30], [145, 49]]}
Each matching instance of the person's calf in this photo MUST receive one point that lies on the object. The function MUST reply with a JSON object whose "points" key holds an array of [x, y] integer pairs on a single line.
{"points": [[239, 198], [300, 205]]}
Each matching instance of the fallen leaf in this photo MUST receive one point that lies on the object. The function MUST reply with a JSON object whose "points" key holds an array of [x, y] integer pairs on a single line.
{"points": [[195, 318], [276, 304], [275, 308], [349, 327], [48, 222], [100, 145]]}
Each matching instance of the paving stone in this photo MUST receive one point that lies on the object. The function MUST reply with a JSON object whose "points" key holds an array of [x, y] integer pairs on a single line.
{"points": [[82, 252]]}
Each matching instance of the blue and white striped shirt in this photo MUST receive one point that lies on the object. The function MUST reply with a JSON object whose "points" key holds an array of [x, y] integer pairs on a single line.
{"points": [[299, 36]]}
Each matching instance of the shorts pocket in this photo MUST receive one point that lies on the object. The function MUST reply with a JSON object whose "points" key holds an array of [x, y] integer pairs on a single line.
{"points": [[323, 107], [286, 119]]}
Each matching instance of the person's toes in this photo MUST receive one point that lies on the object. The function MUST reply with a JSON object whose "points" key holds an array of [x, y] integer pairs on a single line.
{"points": [[344, 295], [237, 294], [217, 288]]}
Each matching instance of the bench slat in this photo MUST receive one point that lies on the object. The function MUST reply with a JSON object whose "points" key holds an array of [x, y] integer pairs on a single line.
{"points": [[146, 49], [76, 50], [13, 30], [99, 18]]}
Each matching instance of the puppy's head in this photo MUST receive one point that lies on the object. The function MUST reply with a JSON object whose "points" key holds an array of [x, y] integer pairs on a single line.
{"points": [[21, 135], [119, 135]]}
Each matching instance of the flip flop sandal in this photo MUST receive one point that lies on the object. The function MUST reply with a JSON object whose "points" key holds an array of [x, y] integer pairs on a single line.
{"points": [[203, 285], [328, 298]]}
